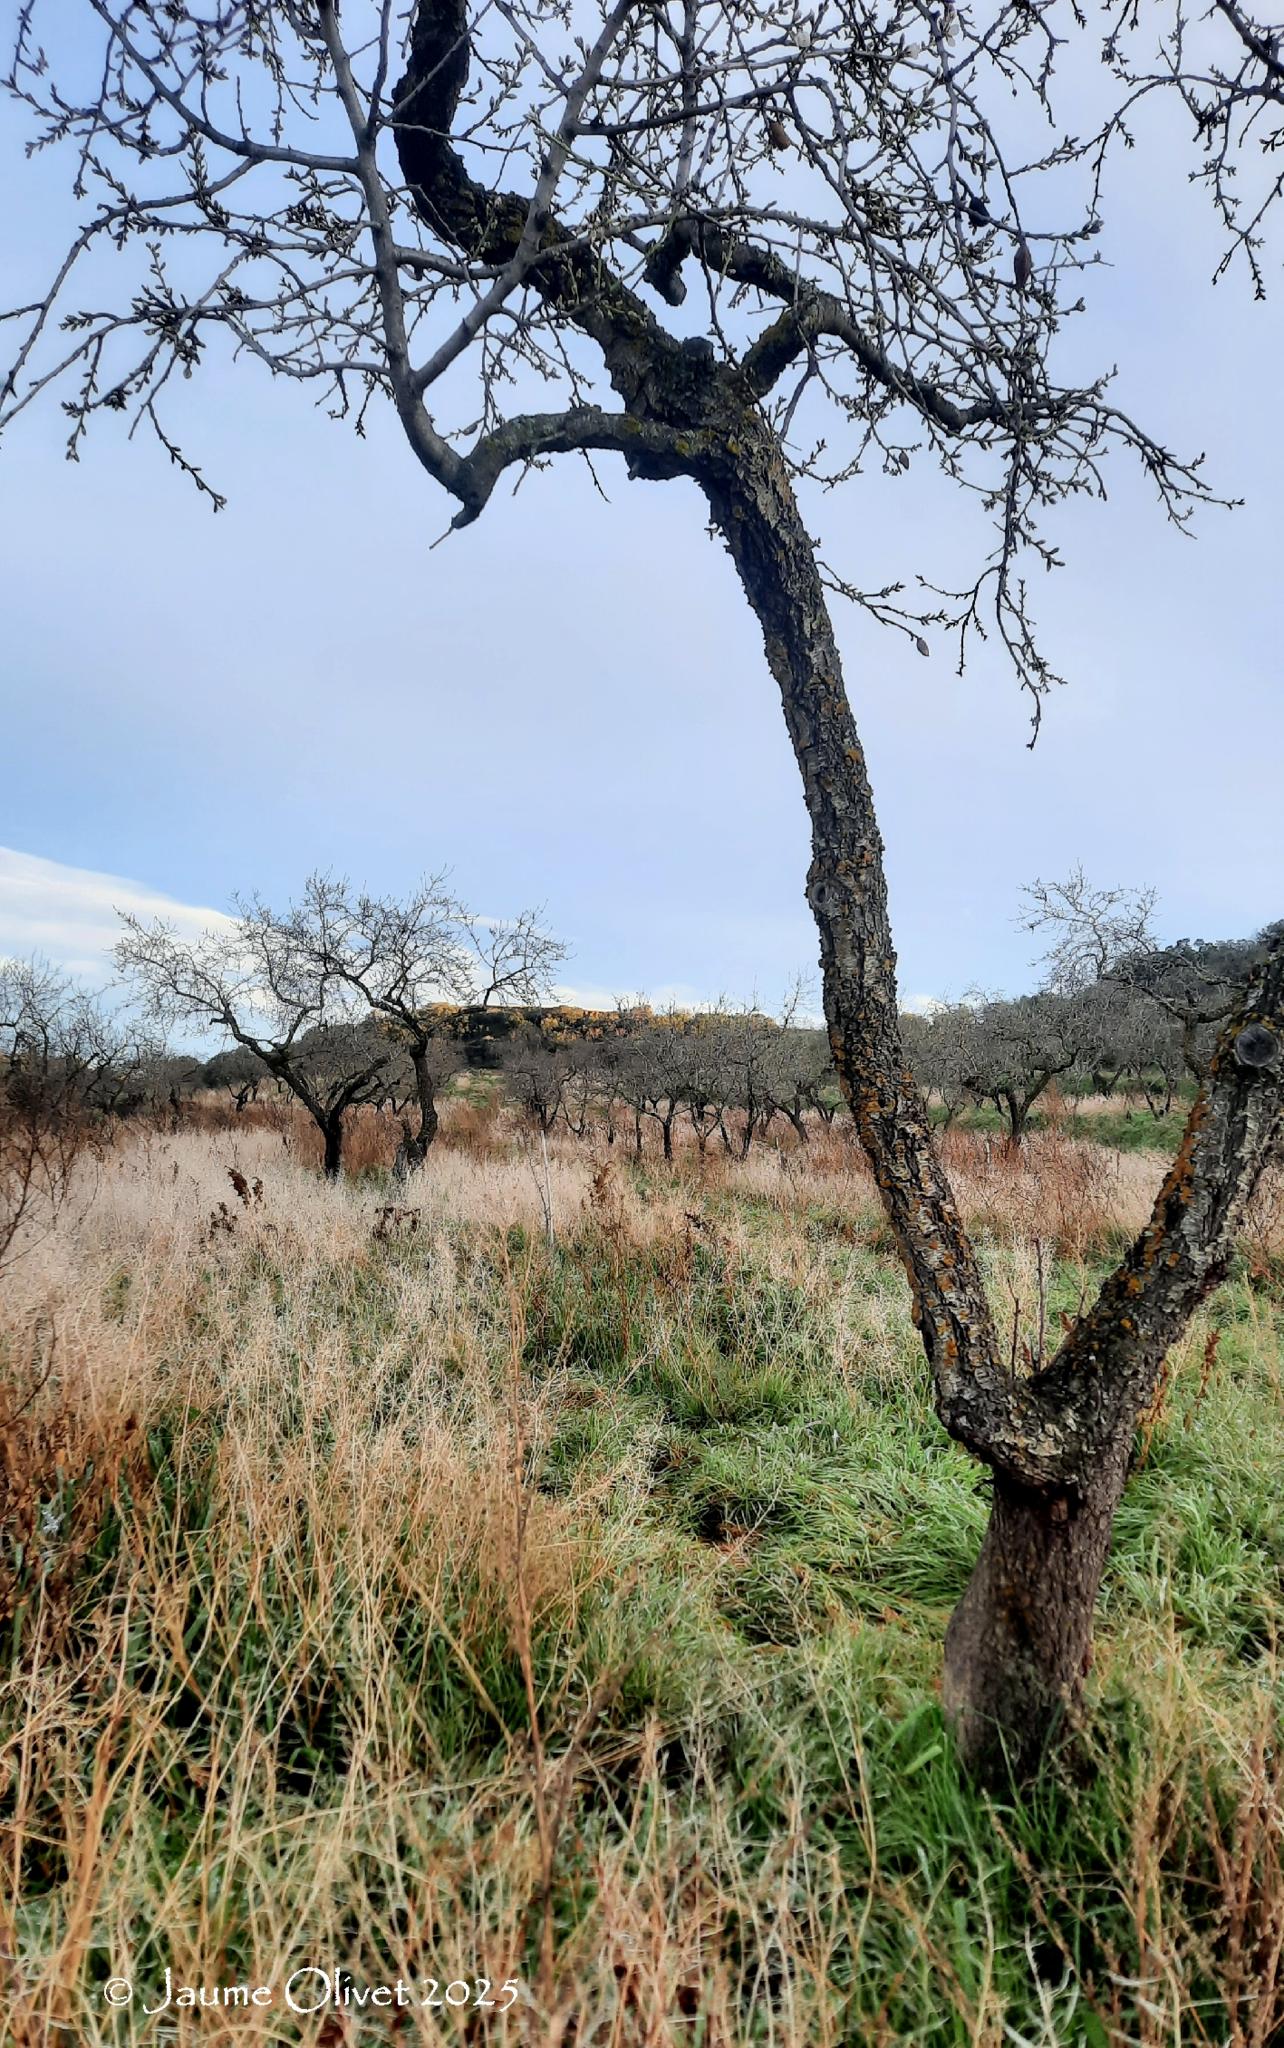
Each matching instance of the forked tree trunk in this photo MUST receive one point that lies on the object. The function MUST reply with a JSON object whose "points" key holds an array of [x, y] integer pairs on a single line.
{"points": [[1059, 1444]]}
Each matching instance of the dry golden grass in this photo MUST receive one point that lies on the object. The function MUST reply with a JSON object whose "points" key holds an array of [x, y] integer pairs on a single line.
{"points": [[380, 1590]]}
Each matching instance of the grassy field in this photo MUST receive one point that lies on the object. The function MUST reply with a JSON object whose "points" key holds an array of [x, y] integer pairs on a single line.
{"points": [[1123, 1125], [384, 1590]]}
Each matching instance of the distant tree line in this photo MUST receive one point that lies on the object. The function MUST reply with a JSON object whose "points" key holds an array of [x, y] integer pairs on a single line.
{"points": [[351, 1000], [727, 1073], [730, 1075], [1105, 1040], [630, 1074], [346, 999]]}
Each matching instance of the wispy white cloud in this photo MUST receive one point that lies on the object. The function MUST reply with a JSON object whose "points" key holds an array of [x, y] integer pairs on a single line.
{"points": [[69, 915]]}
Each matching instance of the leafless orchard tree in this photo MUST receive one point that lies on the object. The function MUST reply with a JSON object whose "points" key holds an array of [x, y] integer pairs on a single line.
{"points": [[239, 1073], [541, 1070], [685, 1062], [717, 239], [803, 1081], [703, 1076], [660, 1062], [773, 1067], [512, 959], [1010, 1051], [65, 1067], [938, 1049], [1147, 1045], [1104, 939], [410, 960], [255, 983]]}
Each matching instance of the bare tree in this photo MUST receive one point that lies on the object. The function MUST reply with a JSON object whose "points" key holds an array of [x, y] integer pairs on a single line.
{"points": [[703, 1077], [240, 1073], [804, 1083], [540, 1067], [410, 959], [67, 1067], [372, 202], [940, 1049], [1013, 1049], [1136, 1045], [661, 1056], [623, 1070], [403, 959], [1153, 1053], [753, 1054], [513, 959], [799, 1077], [254, 982], [1104, 938]]}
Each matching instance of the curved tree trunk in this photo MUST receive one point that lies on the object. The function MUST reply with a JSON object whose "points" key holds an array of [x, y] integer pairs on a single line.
{"points": [[1059, 1443], [755, 511], [413, 1149]]}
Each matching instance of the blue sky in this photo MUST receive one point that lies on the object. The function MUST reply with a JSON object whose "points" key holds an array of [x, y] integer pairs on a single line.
{"points": [[568, 703]]}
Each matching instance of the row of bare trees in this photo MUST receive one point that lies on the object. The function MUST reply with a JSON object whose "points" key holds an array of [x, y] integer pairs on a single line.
{"points": [[347, 998], [1010, 1052], [1139, 1024], [1119, 1012], [726, 1072]]}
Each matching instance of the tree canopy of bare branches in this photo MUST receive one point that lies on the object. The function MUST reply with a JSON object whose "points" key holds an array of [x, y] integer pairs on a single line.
{"points": [[344, 997]]}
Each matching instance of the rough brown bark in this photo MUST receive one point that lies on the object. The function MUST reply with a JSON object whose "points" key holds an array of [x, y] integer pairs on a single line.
{"points": [[757, 515], [1019, 1644]]}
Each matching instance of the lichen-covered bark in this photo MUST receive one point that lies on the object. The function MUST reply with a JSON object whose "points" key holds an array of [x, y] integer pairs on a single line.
{"points": [[755, 511], [1109, 1365]]}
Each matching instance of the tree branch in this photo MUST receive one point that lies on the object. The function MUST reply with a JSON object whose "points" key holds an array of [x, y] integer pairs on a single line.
{"points": [[500, 227]]}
